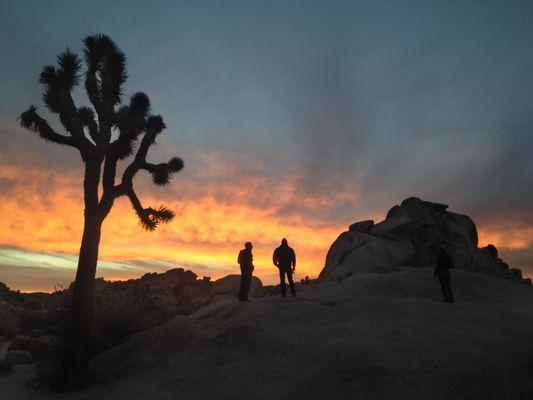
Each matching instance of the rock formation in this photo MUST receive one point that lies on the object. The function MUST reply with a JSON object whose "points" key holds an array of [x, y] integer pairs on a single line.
{"points": [[229, 285], [10, 320], [35, 321], [410, 236]]}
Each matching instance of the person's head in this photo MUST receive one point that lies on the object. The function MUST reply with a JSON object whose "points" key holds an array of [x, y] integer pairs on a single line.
{"points": [[442, 248], [284, 242], [248, 245]]}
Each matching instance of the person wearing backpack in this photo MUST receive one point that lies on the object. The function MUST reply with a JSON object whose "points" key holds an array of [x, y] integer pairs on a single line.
{"points": [[284, 258]]}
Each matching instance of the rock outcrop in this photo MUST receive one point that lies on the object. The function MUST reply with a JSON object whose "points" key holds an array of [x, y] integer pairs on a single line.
{"points": [[229, 285], [410, 236], [121, 308], [18, 357], [10, 320]]}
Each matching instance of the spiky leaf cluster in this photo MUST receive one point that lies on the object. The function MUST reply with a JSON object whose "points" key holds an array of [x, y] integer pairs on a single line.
{"points": [[28, 119], [154, 123], [69, 68], [106, 69], [131, 122], [161, 173], [175, 164], [67, 75], [60, 80], [150, 217], [86, 115]]}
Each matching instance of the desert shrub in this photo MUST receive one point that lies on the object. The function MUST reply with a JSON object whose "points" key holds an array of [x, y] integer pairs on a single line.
{"points": [[38, 347], [113, 325]]}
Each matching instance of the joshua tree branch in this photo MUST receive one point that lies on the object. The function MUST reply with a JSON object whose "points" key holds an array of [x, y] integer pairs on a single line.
{"points": [[90, 185], [162, 173], [108, 184], [120, 190], [135, 202], [144, 214], [149, 217], [150, 167], [86, 115], [69, 113], [91, 87], [140, 159], [93, 131], [32, 121]]}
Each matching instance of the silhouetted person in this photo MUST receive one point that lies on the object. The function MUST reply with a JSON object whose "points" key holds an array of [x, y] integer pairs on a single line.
{"points": [[245, 260], [285, 259], [442, 271]]}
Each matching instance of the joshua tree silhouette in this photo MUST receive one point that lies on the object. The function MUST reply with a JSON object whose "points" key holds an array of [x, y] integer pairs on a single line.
{"points": [[90, 132]]}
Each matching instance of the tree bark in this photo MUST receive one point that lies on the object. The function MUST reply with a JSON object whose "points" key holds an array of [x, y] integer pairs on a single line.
{"points": [[79, 330], [78, 341]]}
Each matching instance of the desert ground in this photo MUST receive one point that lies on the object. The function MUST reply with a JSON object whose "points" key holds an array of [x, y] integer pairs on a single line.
{"points": [[368, 336]]}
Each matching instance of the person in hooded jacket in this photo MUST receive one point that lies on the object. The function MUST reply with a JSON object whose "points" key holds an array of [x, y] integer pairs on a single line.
{"points": [[284, 258]]}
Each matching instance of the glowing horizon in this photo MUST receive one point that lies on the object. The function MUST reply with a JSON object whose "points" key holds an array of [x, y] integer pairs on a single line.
{"points": [[205, 236]]}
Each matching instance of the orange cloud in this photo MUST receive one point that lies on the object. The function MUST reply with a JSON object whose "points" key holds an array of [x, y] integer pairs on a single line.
{"points": [[512, 232], [43, 212]]}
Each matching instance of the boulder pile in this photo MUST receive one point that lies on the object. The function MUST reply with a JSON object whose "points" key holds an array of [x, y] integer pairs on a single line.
{"points": [[34, 322], [410, 235]]}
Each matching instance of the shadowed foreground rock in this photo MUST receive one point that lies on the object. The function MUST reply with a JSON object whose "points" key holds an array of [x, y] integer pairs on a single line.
{"points": [[10, 319], [229, 286], [369, 336], [35, 321]]}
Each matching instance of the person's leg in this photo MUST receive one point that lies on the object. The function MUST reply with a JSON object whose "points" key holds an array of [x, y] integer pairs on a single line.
{"points": [[246, 278], [443, 287], [291, 282], [242, 289], [282, 282], [247, 284], [449, 288]]}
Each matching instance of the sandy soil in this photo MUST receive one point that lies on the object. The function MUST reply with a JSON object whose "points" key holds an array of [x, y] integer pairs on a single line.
{"points": [[370, 336]]}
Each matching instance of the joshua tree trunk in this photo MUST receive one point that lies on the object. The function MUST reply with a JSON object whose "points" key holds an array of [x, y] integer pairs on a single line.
{"points": [[78, 340]]}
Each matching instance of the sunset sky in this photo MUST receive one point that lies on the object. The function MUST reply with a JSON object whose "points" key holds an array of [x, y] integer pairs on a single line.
{"points": [[294, 119]]}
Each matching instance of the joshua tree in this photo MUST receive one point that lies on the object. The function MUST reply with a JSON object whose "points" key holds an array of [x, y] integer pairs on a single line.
{"points": [[103, 137]]}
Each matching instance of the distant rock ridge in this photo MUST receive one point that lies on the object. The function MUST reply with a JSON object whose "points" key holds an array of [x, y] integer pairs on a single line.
{"points": [[121, 308], [410, 236]]}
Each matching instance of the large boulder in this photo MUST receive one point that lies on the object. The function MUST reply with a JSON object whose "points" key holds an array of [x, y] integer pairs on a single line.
{"points": [[10, 320], [345, 243], [363, 226], [18, 357], [490, 251], [411, 235], [419, 209], [37, 346], [467, 225], [513, 273], [400, 252], [395, 211], [355, 252], [393, 224], [230, 284]]}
